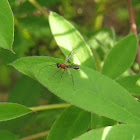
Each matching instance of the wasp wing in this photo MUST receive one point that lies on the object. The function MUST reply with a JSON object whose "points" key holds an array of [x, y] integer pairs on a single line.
{"points": [[70, 55]]}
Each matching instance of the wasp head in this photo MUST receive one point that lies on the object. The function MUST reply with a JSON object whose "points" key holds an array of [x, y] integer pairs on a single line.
{"points": [[58, 65]]}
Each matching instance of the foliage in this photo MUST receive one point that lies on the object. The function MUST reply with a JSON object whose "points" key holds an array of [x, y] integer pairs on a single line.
{"points": [[100, 93]]}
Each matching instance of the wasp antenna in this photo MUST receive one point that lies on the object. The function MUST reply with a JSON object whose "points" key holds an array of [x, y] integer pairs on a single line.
{"points": [[61, 75], [53, 59], [35, 65], [73, 82], [43, 68]]}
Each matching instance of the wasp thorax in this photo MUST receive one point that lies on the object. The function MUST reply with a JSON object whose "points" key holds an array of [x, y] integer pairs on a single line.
{"points": [[63, 66]]}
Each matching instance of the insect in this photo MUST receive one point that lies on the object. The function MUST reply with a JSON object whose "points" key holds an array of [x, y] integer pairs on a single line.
{"points": [[64, 66]]}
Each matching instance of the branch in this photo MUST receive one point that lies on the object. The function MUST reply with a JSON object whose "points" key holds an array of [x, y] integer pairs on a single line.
{"points": [[134, 28], [38, 135], [48, 107]]}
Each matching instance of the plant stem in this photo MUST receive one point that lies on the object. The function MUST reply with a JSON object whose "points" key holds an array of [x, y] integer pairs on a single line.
{"points": [[35, 4], [38, 135], [48, 107], [134, 28]]}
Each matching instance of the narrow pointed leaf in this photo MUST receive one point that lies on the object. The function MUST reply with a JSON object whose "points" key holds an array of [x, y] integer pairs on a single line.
{"points": [[68, 39], [131, 83], [6, 25], [91, 91], [121, 57], [70, 124], [118, 132], [24, 65], [10, 111]]}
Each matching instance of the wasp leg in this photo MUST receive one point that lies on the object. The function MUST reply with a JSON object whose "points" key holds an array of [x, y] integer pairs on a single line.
{"points": [[72, 81], [43, 68], [72, 77], [61, 75], [54, 74]]}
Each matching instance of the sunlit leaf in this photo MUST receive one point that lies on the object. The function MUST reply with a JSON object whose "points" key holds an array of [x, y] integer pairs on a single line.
{"points": [[119, 132], [68, 39], [91, 90]]}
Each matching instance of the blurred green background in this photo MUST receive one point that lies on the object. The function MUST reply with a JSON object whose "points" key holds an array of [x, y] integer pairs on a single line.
{"points": [[101, 22]]}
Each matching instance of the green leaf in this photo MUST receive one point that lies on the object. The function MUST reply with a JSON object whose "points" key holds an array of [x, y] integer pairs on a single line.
{"points": [[131, 83], [118, 132], [21, 47], [91, 91], [23, 65], [10, 111], [6, 25], [70, 124], [101, 121], [6, 135], [68, 39], [24, 125], [120, 59]]}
